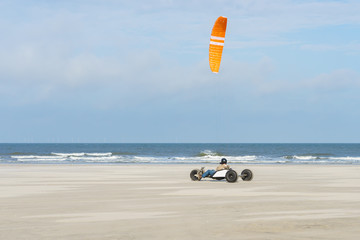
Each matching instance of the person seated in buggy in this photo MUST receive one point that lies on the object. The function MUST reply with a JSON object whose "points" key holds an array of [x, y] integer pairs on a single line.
{"points": [[223, 165]]}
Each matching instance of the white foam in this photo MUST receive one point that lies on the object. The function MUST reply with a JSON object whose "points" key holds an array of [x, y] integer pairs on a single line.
{"points": [[209, 153], [216, 159], [99, 154], [355, 159], [305, 157], [95, 159], [317, 159], [34, 157], [69, 154], [41, 159], [209, 157]]}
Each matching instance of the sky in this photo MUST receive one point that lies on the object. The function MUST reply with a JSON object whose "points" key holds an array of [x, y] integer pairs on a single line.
{"points": [[138, 72]]}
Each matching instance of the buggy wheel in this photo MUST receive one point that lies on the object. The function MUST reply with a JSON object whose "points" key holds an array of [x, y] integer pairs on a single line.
{"points": [[193, 174], [231, 176], [247, 175]]}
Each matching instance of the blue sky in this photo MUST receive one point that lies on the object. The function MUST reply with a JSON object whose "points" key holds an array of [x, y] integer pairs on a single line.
{"points": [[137, 71]]}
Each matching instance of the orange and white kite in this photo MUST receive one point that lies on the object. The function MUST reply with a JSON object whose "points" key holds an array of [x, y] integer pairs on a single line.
{"points": [[217, 40]]}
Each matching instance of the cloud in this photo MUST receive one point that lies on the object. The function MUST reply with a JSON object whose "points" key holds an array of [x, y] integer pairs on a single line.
{"points": [[34, 75], [31, 75], [273, 17], [349, 48], [178, 20], [335, 81], [134, 51], [325, 85], [257, 44]]}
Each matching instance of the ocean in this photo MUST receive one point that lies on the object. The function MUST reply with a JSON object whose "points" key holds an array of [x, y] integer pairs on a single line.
{"points": [[167, 153]]}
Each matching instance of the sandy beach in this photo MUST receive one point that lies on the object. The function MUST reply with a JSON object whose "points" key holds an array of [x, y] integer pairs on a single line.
{"points": [[161, 202]]}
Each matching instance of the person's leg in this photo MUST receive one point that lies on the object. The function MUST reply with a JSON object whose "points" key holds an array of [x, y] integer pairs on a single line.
{"points": [[209, 172], [205, 174]]}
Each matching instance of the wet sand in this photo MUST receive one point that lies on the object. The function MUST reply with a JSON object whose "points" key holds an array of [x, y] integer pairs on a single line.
{"points": [[161, 202]]}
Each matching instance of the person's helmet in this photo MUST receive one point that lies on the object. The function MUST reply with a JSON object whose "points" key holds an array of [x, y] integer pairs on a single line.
{"points": [[223, 161]]}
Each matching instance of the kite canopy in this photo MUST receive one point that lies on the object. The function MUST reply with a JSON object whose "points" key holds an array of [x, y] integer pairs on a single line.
{"points": [[217, 40]]}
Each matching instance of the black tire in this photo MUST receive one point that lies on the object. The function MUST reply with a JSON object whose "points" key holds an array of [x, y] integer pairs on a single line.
{"points": [[247, 175], [193, 173], [231, 176]]}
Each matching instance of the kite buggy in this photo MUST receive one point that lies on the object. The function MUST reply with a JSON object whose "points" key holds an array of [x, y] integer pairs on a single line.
{"points": [[223, 171], [229, 174]]}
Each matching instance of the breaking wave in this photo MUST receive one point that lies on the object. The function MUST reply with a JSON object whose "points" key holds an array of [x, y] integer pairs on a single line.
{"points": [[206, 156], [328, 159], [115, 158], [208, 153]]}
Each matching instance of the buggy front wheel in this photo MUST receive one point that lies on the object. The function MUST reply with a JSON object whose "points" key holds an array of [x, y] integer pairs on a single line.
{"points": [[247, 175], [193, 175]]}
